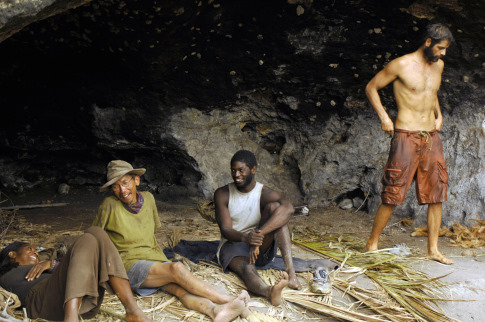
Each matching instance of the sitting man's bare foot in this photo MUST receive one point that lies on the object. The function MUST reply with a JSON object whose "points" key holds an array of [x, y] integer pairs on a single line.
{"points": [[280, 284], [229, 311], [439, 258], [293, 282], [136, 316], [244, 295]]}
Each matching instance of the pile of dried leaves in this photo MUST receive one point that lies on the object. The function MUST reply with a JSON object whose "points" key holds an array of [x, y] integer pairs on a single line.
{"points": [[207, 210], [460, 236]]}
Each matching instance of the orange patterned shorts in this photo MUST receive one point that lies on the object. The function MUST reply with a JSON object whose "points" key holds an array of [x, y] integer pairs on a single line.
{"points": [[415, 155]]}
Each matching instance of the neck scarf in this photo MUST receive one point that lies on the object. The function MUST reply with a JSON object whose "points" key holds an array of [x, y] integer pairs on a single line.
{"points": [[136, 207]]}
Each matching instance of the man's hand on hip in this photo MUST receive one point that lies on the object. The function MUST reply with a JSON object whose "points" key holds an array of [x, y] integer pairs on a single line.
{"points": [[387, 126]]}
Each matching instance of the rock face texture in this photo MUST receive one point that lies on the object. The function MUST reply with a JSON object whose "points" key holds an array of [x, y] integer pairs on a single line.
{"points": [[179, 86], [15, 15]]}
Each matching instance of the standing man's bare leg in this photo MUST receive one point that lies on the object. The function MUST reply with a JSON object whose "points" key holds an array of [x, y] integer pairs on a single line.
{"points": [[434, 225], [382, 217], [283, 240]]}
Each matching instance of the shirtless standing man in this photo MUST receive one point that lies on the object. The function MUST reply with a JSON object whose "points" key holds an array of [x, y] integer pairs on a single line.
{"points": [[416, 148], [253, 220]]}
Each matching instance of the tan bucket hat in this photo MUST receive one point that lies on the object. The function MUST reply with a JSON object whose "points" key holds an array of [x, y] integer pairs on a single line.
{"points": [[117, 169]]}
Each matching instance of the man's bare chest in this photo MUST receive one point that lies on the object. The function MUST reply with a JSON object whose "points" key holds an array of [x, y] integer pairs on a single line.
{"points": [[419, 81]]}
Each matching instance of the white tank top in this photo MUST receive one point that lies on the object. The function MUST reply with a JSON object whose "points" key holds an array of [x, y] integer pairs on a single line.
{"points": [[244, 209]]}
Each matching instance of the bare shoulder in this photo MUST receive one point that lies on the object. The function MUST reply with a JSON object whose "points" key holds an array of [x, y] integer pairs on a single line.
{"points": [[440, 64], [400, 63], [269, 195], [221, 193]]}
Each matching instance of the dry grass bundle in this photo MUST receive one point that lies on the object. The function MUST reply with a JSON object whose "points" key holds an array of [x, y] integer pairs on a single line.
{"points": [[207, 210], [468, 237], [10, 300], [415, 291]]}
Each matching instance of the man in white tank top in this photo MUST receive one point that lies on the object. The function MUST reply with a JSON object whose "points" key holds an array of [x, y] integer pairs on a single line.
{"points": [[254, 221]]}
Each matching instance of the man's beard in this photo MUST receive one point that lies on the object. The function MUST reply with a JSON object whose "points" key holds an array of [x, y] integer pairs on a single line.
{"points": [[247, 182], [428, 54]]}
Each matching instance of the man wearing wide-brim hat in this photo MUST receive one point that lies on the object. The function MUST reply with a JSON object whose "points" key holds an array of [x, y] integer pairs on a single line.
{"points": [[130, 218]]}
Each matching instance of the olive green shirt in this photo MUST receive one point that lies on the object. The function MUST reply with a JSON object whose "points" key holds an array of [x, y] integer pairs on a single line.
{"points": [[132, 234]]}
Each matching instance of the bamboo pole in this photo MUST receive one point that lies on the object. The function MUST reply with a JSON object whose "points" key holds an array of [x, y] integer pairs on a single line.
{"points": [[35, 206]]}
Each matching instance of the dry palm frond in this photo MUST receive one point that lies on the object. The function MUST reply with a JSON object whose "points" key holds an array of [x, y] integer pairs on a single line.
{"points": [[420, 232], [385, 309], [415, 291], [328, 309], [462, 236], [469, 237], [207, 210], [8, 300], [379, 301], [423, 231], [191, 266], [406, 222], [174, 238]]}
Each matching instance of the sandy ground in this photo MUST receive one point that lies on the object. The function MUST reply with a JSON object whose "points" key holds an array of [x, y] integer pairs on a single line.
{"points": [[466, 275]]}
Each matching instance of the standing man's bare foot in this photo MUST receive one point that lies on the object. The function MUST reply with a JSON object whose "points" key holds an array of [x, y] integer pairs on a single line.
{"points": [[229, 311], [280, 284], [439, 258], [369, 247], [293, 282], [137, 316]]}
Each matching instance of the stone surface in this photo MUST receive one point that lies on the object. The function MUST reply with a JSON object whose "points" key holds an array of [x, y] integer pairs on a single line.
{"points": [[63, 189], [179, 86], [15, 15], [345, 204], [357, 202]]}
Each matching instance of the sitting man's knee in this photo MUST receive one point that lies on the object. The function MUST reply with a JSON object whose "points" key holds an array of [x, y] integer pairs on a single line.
{"points": [[271, 207], [177, 268]]}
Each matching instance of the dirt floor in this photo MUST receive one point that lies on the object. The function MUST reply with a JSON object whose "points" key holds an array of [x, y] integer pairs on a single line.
{"points": [[466, 275]]}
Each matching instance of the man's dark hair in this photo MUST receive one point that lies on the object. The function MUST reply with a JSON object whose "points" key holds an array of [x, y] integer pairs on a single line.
{"points": [[437, 32], [5, 263], [245, 156]]}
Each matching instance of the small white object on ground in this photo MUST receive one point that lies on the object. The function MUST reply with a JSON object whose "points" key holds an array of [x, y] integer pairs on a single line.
{"points": [[400, 249]]}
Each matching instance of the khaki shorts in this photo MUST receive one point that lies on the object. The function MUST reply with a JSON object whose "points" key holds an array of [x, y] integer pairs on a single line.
{"points": [[415, 155]]}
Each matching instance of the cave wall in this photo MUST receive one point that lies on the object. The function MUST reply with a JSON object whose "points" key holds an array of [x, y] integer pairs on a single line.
{"points": [[179, 86]]}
